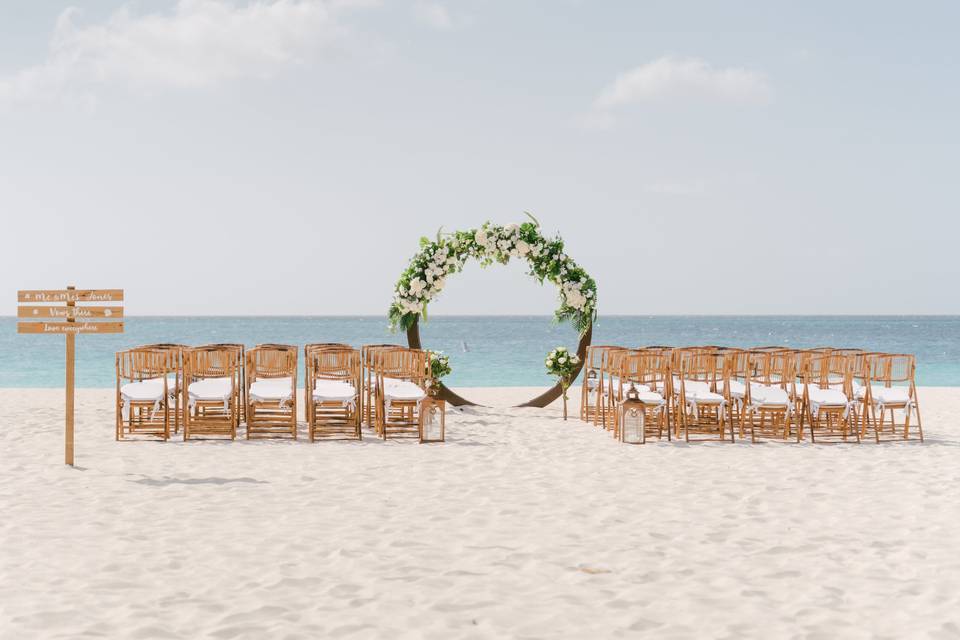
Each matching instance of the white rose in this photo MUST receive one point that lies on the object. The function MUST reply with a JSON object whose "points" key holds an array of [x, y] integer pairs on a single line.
{"points": [[439, 283], [522, 248], [416, 286], [548, 362], [481, 237], [562, 360]]}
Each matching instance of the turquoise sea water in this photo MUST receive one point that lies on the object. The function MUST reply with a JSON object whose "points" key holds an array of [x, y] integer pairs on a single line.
{"points": [[489, 350]]}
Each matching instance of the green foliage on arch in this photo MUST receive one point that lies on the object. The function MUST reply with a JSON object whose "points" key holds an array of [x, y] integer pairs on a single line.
{"points": [[426, 275]]}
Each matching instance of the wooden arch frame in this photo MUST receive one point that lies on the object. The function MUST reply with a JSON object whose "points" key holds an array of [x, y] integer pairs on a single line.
{"points": [[542, 400]]}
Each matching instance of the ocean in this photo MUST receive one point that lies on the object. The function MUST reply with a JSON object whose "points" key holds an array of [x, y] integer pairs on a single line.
{"points": [[488, 350]]}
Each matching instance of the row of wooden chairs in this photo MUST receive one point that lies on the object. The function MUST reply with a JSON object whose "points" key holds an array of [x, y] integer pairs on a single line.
{"points": [[210, 390], [711, 392]]}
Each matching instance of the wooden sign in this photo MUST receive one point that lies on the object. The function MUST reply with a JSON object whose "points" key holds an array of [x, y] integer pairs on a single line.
{"points": [[69, 327], [70, 295], [63, 313], [36, 304]]}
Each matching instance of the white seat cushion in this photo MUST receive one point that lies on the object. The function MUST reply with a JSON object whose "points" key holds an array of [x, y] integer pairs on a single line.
{"points": [[271, 389], [211, 389], [692, 386], [704, 397], [402, 390], [650, 397], [827, 397], [737, 388], [891, 395], [769, 396], [386, 381], [149, 390], [333, 391]]}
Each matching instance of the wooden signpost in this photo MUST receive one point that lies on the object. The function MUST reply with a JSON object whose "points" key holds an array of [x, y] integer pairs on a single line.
{"points": [[56, 312]]}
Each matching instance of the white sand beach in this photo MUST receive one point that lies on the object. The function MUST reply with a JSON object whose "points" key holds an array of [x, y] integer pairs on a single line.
{"points": [[519, 526]]}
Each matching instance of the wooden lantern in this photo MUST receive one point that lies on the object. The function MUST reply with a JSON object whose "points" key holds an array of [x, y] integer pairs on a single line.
{"points": [[433, 413], [632, 418]]}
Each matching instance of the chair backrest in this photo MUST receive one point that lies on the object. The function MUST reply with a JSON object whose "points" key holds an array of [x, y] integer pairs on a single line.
{"points": [[313, 346], [238, 351], [650, 367], [735, 363], [610, 365], [403, 364], [368, 352], [888, 369], [271, 361], [771, 368], [829, 371], [211, 362], [595, 355], [144, 363], [334, 364], [702, 365]]}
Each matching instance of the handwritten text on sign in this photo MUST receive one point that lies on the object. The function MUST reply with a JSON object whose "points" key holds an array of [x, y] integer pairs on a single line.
{"points": [[69, 327], [39, 313], [74, 295]]}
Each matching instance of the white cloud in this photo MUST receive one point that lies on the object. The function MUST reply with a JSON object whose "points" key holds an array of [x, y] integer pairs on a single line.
{"points": [[433, 14], [196, 44], [680, 79]]}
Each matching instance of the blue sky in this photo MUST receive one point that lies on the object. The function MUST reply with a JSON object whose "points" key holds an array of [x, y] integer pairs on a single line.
{"points": [[283, 157]]}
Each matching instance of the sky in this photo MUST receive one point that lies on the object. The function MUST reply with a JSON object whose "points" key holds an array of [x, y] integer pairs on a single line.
{"points": [[284, 156]]}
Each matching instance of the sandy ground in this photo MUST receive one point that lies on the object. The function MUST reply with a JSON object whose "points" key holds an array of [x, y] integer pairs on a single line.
{"points": [[519, 526]]}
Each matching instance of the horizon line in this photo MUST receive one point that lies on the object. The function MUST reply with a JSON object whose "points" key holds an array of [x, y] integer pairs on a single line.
{"points": [[537, 315]]}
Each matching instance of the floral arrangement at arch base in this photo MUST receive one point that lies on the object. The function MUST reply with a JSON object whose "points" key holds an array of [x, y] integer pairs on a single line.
{"points": [[426, 275], [562, 365], [439, 369]]}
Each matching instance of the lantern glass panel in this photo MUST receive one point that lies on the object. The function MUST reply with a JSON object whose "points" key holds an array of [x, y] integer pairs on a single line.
{"points": [[633, 423]]}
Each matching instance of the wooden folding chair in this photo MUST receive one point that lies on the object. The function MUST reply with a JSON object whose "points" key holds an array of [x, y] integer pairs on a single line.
{"points": [[609, 391], [828, 405], [332, 392], [368, 383], [401, 377], [176, 361], [239, 352], [270, 385], [733, 384], [211, 388], [768, 409], [146, 389], [591, 388], [641, 373], [702, 410], [890, 387]]}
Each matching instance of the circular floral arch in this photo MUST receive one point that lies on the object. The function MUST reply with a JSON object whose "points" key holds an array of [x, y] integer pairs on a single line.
{"points": [[426, 275]]}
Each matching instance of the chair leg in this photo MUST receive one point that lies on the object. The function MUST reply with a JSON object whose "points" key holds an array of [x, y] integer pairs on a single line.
{"points": [[919, 424]]}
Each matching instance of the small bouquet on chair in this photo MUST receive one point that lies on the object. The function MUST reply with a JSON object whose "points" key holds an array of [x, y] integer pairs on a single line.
{"points": [[439, 368], [562, 365]]}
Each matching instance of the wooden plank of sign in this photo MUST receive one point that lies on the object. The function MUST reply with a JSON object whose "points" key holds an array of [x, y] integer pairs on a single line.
{"points": [[64, 295], [62, 313], [61, 328]]}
